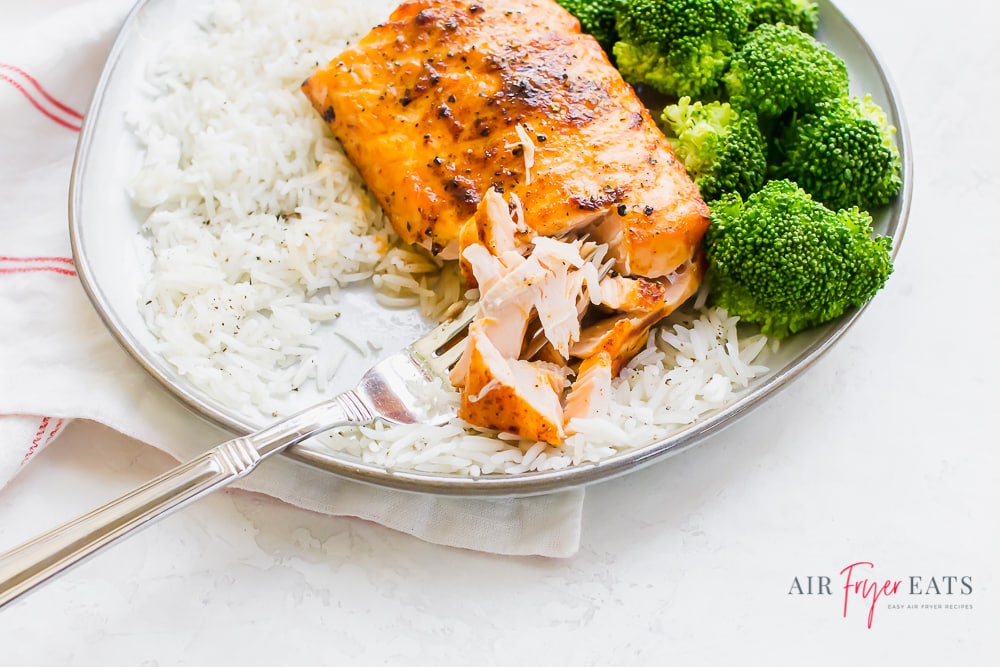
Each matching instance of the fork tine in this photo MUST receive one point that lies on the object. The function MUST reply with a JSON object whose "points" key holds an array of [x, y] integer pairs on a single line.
{"points": [[443, 362], [431, 345]]}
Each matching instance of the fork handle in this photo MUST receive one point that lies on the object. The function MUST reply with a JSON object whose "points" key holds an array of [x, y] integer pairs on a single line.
{"points": [[35, 562]]}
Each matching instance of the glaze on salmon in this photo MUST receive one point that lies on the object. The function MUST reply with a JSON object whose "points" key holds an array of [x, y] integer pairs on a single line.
{"points": [[451, 98]]}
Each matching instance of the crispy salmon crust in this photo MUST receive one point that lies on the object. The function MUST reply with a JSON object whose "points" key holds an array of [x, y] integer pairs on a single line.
{"points": [[450, 98]]}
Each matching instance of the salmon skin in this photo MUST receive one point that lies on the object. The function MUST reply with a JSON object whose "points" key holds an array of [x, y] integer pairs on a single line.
{"points": [[451, 98]]}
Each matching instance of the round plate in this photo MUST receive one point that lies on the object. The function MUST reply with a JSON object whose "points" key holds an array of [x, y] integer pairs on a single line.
{"points": [[112, 257]]}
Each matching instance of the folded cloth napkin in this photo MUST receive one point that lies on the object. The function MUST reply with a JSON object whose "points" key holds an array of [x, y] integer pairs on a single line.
{"points": [[58, 362]]}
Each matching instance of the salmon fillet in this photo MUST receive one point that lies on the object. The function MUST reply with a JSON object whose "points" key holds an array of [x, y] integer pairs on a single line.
{"points": [[451, 98]]}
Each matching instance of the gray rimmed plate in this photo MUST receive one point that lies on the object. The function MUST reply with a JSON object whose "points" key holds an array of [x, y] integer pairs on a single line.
{"points": [[112, 258]]}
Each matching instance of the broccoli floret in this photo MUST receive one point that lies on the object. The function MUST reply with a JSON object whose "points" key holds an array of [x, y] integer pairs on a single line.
{"points": [[802, 14], [663, 21], [788, 263], [693, 66], [679, 47], [842, 153], [597, 18], [722, 149], [781, 68]]}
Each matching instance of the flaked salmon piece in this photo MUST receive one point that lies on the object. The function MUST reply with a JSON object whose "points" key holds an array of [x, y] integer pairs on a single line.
{"points": [[483, 269], [620, 336], [557, 309], [590, 394], [450, 99], [623, 335], [583, 287], [546, 285], [492, 259], [542, 285], [503, 320], [631, 294], [494, 229], [511, 395], [519, 285], [552, 252]]}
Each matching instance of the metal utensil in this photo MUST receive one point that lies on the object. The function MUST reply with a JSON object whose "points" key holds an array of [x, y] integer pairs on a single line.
{"points": [[390, 391]]}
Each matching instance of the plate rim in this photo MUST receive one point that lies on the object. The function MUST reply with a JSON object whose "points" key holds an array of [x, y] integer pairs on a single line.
{"points": [[521, 484]]}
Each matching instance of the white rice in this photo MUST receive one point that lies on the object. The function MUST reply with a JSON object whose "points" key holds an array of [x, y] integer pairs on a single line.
{"points": [[257, 221]]}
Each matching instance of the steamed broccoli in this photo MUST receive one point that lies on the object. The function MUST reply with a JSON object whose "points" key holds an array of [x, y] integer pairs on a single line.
{"points": [[679, 47], [802, 14], [597, 18], [788, 263], [722, 149], [842, 153], [782, 68]]}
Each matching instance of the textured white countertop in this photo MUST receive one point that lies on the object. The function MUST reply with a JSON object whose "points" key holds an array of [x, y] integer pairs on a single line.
{"points": [[884, 452]]}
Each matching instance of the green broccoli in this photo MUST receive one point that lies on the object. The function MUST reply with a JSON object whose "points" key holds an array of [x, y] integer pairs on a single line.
{"points": [[787, 263], [781, 68], [679, 47], [842, 153], [802, 14], [722, 149], [597, 18]]}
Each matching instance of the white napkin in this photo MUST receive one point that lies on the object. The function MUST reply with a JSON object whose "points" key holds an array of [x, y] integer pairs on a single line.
{"points": [[57, 360]]}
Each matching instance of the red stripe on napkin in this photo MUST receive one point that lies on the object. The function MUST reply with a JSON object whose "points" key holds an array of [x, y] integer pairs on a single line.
{"points": [[60, 265], [48, 105], [59, 105], [43, 436]]}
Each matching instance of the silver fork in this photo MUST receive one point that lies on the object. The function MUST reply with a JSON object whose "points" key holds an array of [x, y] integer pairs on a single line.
{"points": [[388, 391]]}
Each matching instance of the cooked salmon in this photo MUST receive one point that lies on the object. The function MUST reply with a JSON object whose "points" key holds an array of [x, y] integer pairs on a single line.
{"points": [[450, 99], [642, 304], [590, 395], [495, 133], [516, 374], [510, 394]]}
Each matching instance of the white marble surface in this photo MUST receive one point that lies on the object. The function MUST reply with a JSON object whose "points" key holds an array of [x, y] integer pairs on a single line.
{"points": [[885, 451]]}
